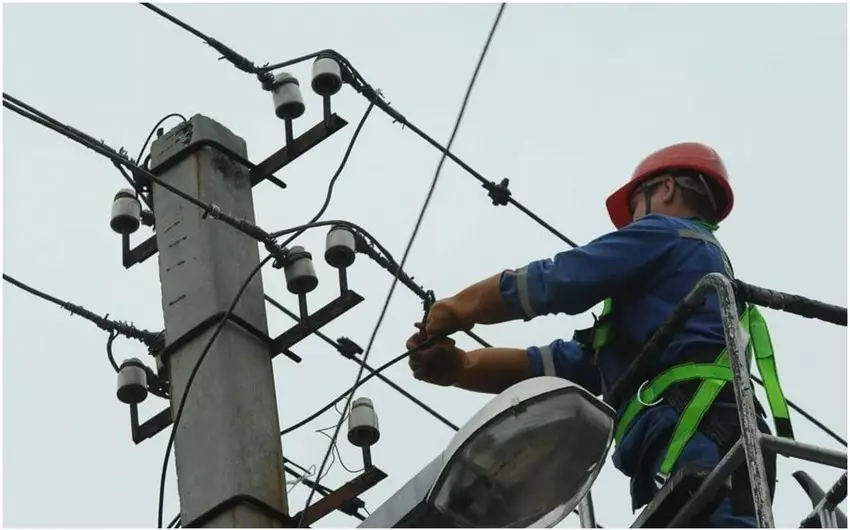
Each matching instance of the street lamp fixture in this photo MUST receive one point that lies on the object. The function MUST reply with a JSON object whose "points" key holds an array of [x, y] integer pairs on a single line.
{"points": [[525, 459]]}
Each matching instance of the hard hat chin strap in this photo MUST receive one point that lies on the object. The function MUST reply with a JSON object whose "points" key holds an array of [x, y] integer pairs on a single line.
{"points": [[647, 197]]}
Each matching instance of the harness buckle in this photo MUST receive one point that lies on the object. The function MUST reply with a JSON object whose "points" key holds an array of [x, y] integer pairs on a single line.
{"points": [[641, 401]]}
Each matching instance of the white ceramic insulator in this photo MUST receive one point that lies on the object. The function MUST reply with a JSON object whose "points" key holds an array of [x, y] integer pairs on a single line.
{"points": [[288, 103], [327, 76], [126, 212], [132, 382], [363, 428], [300, 275], [340, 247]]}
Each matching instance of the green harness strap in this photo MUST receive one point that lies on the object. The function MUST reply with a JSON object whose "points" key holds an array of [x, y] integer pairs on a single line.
{"points": [[714, 376]]}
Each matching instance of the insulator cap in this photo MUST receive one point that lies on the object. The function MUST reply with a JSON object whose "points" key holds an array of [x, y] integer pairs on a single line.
{"points": [[327, 76], [340, 247], [132, 382], [300, 275], [363, 423], [126, 212], [288, 103]]}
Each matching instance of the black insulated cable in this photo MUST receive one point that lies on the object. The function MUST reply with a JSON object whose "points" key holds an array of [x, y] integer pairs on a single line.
{"points": [[191, 379], [148, 338], [237, 60], [342, 350]]}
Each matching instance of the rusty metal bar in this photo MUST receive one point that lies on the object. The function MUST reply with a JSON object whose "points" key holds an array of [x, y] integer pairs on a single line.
{"points": [[337, 498], [744, 397], [804, 451]]}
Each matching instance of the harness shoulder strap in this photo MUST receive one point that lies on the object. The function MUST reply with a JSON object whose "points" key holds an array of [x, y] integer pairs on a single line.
{"points": [[709, 238], [766, 363]]}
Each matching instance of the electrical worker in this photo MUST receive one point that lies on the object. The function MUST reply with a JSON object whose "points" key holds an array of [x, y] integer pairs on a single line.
{"points": [[664, 244]]}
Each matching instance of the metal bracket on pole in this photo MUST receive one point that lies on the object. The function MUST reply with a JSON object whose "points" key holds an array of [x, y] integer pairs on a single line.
{"points": [[337, 498], [283, 156], [151, 427], [136, 255], [315, 321]]}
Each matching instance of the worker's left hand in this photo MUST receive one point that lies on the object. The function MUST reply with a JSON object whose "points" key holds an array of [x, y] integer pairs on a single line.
{"points": [[439, 363], [444, 319]]}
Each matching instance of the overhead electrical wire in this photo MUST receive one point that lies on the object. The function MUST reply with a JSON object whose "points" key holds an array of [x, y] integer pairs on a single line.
{"points": [[127, 329], [153, 131], [409, 246], [109, 355], [341, 349]]}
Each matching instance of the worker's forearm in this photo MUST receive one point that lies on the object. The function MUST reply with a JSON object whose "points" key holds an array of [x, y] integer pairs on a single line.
{"points": [[492, 370], [481, 303]]}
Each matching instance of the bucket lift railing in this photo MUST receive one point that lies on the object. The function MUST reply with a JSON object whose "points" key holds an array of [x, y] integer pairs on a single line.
{"points": [[752, 441]]}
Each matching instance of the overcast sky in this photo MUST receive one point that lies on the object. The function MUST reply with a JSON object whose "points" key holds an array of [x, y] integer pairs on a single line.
{"points": [[570, 98]]}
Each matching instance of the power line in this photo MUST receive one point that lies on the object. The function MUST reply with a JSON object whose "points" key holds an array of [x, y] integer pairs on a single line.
{"points": [[300, 230], [136, 185], [191, 379], [350, 390], [153, 131], [409, 245], [148, 338], [341, 348], [227, 53]]}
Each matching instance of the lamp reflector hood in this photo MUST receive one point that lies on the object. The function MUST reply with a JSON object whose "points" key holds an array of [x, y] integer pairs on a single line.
{"points": [[526, 459]]}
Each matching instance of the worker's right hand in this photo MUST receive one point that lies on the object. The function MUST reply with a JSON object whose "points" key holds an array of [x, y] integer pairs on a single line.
{"points": [[440, 363], [444, 318]]}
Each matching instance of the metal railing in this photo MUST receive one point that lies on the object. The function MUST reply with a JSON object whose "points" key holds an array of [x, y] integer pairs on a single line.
{"points": [[748, 449]]}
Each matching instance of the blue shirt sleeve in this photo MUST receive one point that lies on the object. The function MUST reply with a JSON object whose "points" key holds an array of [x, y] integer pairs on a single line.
{"points": [[568, 360], [576, 280]]}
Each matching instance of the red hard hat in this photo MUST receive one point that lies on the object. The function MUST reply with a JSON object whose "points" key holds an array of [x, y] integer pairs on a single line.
{"points": [[694, 156]]}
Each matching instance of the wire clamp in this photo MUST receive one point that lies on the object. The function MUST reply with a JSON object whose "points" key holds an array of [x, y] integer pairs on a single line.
{"points": [[498, 193], [213, 213]]}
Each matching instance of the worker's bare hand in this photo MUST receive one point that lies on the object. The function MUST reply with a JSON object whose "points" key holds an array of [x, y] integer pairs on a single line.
{"points": [[439, 363], [444, 319]]}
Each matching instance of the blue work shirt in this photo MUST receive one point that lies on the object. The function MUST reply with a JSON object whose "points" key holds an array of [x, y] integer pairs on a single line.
{"points": [[647, 268]]}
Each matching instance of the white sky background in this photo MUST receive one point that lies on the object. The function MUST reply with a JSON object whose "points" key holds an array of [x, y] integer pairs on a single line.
{"points": [[569, 99]]}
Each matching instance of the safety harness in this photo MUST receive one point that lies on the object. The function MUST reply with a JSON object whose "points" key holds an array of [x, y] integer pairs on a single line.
{"points": [[713, 375]]}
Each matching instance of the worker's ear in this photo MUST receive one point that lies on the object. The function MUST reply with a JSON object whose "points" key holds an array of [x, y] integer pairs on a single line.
{"points": [[668, 190]]}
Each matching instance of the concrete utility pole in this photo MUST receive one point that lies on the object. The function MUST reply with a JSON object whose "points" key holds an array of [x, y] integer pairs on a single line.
{"points": [[227, 446]]}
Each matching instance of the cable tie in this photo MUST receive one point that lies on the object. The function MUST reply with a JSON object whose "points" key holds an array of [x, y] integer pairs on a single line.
{"points": [[213, 213]]}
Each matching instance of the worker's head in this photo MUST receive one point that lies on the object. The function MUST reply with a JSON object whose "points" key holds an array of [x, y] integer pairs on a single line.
{"points": [[682, 180]]}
